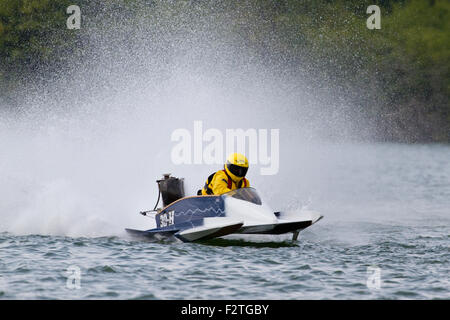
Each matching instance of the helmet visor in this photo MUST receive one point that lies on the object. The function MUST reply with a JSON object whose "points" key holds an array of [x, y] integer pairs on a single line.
{"points": [[237, 170]]}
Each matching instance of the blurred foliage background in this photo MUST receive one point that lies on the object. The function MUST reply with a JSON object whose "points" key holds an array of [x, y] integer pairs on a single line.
{"points": [[398, 76]]}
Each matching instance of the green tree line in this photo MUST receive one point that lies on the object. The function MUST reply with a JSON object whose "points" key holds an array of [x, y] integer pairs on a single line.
{"points": [[397, 77]]}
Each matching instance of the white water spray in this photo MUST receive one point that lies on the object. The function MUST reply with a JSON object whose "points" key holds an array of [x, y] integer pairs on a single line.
{"points": [[82, 155]]}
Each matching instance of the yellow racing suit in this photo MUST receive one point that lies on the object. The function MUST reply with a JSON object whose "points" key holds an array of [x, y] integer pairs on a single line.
{"points": [[220, 182]]}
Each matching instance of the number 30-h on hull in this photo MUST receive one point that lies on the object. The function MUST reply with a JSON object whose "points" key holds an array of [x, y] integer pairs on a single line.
{"points": [[206, 217]]}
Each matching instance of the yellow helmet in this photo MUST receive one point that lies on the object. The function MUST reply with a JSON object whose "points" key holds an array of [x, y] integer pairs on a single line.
{"points": [[236, 166]]}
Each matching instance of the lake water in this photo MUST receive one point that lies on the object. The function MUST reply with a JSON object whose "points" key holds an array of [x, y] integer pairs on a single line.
{"points": [[385, 235]]}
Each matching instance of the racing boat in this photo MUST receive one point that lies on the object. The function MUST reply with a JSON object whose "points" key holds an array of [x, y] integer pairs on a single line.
{"points": [[194, 218]]}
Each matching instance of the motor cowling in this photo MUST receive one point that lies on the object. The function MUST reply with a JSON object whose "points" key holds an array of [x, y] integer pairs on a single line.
{"points": [[171, 189]]}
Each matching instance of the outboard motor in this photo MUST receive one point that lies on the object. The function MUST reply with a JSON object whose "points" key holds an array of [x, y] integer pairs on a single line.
{"points": [[171, 189]]}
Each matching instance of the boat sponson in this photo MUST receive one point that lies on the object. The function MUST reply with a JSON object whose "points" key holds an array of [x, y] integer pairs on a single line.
{"points": [[278, 228]]}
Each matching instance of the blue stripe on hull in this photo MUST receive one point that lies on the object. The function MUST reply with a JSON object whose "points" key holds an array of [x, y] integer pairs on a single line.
{"points": [[189, 212]]}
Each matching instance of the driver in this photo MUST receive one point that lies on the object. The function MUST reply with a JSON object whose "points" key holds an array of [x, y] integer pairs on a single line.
{"points": [[231, 178]]}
